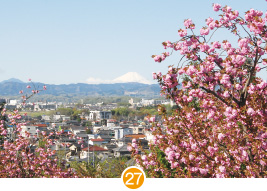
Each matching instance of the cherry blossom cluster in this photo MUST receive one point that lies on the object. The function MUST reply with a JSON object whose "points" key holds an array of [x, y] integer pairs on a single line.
{"points": [[219, 127], [19, 161], [35, 90], [17, 158]]}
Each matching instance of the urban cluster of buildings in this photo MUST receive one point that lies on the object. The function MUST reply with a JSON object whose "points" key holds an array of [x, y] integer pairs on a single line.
{"points": [[98, 142], [78, 143], [12, 104], [149, 102], [97, 137]]}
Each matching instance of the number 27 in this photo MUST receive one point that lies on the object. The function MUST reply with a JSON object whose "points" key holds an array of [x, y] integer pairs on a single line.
{"points": [[132, 175]]}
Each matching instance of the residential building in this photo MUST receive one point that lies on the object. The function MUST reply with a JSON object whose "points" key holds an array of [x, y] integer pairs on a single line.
{"points": [[100, 152], [138, 129], [122, 151], [32, 130], [96, 141], [98, 115], [120, 133]]}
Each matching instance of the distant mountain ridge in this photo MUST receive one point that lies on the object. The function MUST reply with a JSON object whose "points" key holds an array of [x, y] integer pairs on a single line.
{"points": [[12, 88], [12, 80]]}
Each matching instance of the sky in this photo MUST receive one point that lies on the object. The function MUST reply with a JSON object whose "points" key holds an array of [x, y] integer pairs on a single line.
{"points": [[71, 41]]}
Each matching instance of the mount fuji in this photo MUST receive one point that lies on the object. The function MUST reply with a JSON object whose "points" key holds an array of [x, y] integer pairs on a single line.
{"points": [[131, 77]]}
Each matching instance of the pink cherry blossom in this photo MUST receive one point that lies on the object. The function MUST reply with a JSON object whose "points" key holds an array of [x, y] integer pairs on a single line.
{"points": [[189, 24], [216, 7], [182, 32], [204, 31], [219, 126]]}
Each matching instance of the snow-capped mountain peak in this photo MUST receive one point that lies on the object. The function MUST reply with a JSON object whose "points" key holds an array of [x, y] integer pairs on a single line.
{"points": [[131, 77]]}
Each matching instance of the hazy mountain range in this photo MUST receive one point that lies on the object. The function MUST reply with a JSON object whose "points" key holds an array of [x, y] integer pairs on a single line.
{"points": [[12, 87]]}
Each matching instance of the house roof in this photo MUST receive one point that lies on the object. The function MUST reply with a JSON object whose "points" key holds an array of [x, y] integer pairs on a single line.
{"points": [[129, 140], [97, 140], [82, 135], [40, 125], [136, 136], [110, 147], [43, 129], [121, 149], [111, 120], [124, 125], [77, 128], [105, 132], [94, 148], [105, 137]]}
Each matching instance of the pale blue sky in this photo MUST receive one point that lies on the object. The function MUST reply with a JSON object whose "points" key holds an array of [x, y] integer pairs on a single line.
{"points": [[69, 41]]}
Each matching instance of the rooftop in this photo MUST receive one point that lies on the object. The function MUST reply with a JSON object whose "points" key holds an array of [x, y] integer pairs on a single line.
{"points": [[97, 140], [136, 136], [94, 148]]}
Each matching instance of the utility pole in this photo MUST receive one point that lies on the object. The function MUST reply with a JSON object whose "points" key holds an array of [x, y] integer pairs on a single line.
{"points": [[93, 156], [88, 153]]}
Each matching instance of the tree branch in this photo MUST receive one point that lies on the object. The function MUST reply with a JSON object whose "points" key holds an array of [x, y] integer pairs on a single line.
{"points": [[216, 95]]}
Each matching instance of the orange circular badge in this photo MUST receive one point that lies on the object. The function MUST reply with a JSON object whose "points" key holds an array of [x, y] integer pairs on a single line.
{"points": [[133, 177]]}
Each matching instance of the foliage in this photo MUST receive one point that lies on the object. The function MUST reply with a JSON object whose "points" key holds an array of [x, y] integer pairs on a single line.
{"points": [[123, 104], [108, 99], [65, 111], [74, 113], [147, 110], [121, 111], [88, 131], [219, 126], [110, 168]]}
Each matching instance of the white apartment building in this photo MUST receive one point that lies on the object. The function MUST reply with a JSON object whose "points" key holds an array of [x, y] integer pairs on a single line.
{"points": [[120, 133], [30, 129]]}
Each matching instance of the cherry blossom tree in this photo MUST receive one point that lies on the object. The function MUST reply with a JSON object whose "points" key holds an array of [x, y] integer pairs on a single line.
{"points": [[219, 129], [17, 160]]}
